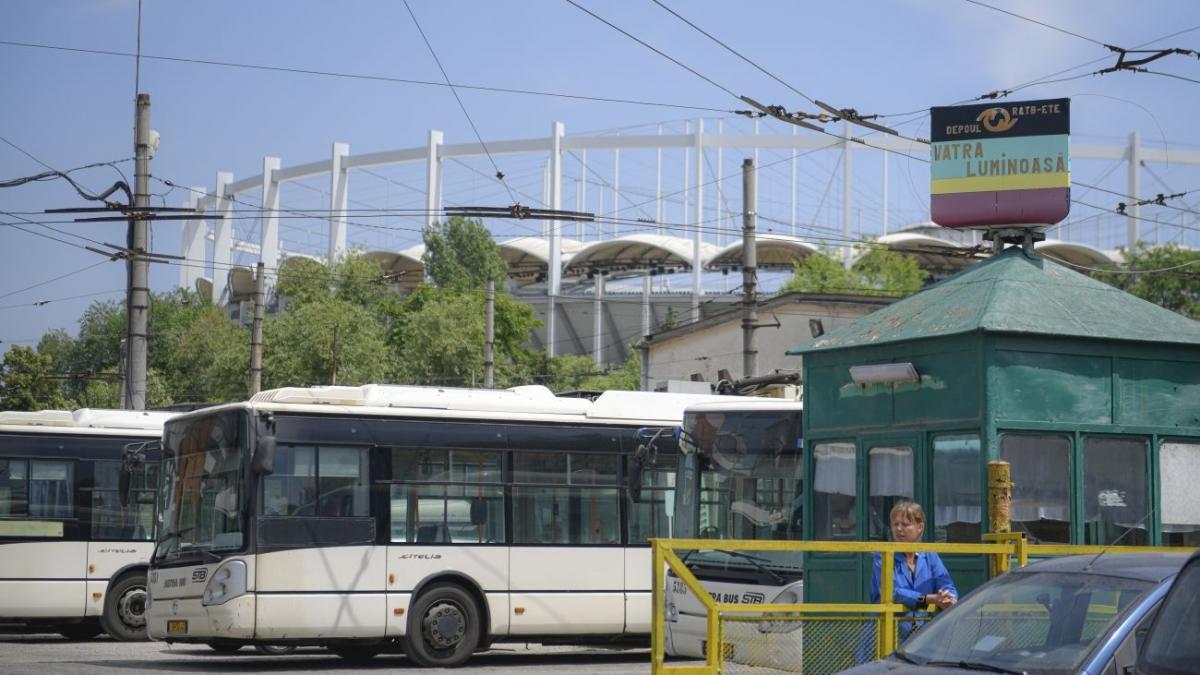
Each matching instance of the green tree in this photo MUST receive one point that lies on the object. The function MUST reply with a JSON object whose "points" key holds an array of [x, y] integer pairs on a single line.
{"points": [[329, 341], [878, 271], [28, 381], [569, 372], [1168, 276], [818, 273], [460, 254], [206, 358]]}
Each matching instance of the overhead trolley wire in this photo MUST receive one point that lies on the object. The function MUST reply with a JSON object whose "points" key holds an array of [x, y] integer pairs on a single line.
{"points": [[1040, 23], [375, 78]]}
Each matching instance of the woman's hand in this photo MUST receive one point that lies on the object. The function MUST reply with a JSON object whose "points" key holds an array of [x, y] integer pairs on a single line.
{"points": [[943, 599]]}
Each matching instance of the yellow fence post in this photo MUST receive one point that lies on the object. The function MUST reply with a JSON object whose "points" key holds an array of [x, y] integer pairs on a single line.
{"points": [[657, 604], [999, 509], [887, 623]]}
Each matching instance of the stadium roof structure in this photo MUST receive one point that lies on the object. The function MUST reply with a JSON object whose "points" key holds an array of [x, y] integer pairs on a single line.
{"points": [[772, 251], [529, 257], [637, 252]]}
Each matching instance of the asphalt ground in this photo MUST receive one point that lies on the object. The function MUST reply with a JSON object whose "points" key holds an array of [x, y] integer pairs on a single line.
{"points": [[47, 654]]}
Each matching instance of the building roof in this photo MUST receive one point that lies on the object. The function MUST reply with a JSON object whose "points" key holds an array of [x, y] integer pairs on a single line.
{"points": [[1014, 293]]}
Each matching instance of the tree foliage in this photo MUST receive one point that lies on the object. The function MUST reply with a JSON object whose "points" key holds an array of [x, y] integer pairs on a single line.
{"points": [[461, 255], [1166, 275], [27, 381], [878, 271]]}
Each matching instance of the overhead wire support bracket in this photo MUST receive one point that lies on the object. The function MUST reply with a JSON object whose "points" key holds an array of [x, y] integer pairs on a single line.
{"points": [[854, 117], [780, 113], [1133, 64], [519, 212]]}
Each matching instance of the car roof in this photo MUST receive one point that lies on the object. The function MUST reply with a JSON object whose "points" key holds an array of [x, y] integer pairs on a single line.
{"points": [[1153, 567]]}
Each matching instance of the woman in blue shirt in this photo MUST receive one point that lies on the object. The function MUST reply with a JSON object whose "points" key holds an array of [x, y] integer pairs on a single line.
{"points": [[920, 579]]}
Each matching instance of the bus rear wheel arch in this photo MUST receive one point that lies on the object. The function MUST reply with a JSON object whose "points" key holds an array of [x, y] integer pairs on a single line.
{"points": [[124, 616], [445, 626]]}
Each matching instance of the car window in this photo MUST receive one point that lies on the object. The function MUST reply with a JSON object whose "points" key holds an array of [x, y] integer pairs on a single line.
{"points": [[1171, 647], [1037, 622], [1125, 655]]}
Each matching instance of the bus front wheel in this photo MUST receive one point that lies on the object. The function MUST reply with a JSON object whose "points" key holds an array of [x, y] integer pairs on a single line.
{"points": [[444, 627], [124, 615]]}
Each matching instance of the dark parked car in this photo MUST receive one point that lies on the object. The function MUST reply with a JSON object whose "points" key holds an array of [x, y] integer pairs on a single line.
{"points": [[1080, 614], [1172, 647]]}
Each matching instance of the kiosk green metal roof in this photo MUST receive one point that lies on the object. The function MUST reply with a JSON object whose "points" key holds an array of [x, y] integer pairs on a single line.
{"points": [[1013, 292]]}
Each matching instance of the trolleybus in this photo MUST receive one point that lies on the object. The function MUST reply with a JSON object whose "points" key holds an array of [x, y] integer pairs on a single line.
{"points": [[76, 519], [438, 519], [740, 476]]}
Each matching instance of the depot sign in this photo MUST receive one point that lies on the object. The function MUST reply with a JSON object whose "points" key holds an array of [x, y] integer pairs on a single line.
{"points": [[1001, 165]]}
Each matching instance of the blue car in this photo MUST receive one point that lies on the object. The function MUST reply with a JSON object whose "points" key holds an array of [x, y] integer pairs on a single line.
{"points": [[1079, 614], [1172, 646]]}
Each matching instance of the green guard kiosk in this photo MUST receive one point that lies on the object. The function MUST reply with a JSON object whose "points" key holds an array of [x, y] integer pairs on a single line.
{"points": [[1091, 394]]}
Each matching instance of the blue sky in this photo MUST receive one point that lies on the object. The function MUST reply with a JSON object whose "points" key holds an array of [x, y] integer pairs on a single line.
{"points": [[71, 109]]}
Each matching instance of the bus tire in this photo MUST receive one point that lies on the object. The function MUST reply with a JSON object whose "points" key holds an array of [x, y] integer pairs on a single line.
{"points": [[224, 647], [124, 615], [445, 627], [275, 650], [357, 652], [84, 630]]}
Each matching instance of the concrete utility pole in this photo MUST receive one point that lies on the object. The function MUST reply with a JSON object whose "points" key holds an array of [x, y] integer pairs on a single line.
{"points": [[489, 336], [749, 269], [137, 301], [256, 332]]}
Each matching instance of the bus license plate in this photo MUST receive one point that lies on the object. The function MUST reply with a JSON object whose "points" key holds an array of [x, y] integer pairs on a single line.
{"points": [[176, 627]]}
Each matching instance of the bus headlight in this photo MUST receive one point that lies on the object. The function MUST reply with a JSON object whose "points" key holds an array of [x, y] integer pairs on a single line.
{"points": [[787, 597], [228, 582]]}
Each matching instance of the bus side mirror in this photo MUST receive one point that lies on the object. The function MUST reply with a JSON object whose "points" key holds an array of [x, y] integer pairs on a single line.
{"points": [[263, 461], [637, 467], [133, 458], [479, 511]]}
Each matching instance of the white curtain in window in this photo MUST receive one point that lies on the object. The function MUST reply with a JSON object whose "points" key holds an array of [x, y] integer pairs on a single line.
{"points": [[834, 469], [891, 471], [956, 480]]}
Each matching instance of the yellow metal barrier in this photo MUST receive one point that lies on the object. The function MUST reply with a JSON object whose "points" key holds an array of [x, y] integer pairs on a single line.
{"points": [[882, 617]]}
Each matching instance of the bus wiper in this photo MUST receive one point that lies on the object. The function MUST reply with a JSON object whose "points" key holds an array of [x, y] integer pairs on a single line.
{"points": [[756, 561], [170, 536], [204, 553], [976, 665]]}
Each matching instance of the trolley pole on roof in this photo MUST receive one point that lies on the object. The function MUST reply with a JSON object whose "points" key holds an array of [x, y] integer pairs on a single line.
{"points": [[749, 269], [137, 302]]}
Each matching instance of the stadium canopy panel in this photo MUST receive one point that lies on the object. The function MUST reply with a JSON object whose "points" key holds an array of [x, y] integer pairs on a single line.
{"points": [[932, 253], [1071, 253], [772, 251], [528, 258], [635, 253], [402, 267]]}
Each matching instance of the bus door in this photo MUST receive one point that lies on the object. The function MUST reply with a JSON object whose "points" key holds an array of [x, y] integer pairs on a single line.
{"points": [[567, 562]]}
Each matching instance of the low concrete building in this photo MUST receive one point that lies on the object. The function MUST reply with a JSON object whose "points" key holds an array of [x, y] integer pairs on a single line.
{"points": [[701, 350]]}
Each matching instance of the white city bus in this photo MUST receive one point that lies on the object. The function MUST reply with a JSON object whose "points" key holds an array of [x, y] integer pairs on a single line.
{"points": [[740, 477], [75, 537], [439, 520]]}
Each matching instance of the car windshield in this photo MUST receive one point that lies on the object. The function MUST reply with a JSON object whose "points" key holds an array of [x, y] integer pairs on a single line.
{"points": [[1172, 647], [202, 489], [1040, 623]]}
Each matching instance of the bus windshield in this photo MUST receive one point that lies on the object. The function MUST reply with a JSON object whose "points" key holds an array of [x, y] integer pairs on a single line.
{"points": [[203, 487], [746, 478]]}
